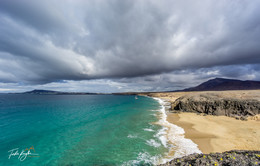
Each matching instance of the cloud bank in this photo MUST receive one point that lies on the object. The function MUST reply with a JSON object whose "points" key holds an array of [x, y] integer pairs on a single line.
{"points": [[148, 44]]}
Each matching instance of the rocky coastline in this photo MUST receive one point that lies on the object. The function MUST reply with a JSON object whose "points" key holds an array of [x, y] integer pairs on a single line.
{"points": [[212, 104], [229, 158]]}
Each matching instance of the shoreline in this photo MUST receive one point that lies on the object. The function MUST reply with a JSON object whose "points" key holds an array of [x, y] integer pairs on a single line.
{"points": [[201, 139], [209, 133], [179, 146]]}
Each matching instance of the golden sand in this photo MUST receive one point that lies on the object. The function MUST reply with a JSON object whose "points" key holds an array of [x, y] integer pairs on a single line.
{"points": [[218, 133]]}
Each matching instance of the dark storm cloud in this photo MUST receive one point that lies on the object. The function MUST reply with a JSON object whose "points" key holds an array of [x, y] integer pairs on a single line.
{"points": [[182, 79], [48, 41]]}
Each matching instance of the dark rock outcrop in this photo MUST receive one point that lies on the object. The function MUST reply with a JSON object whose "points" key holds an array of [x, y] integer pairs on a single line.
{"points": [[230, 158], [211, 104]]}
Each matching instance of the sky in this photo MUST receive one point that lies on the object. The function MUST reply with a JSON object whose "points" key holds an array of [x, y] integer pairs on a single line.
{"points": [[126, 45]]}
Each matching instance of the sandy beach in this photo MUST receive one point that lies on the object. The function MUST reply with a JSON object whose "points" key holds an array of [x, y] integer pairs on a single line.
{"points": [[217, 133]]}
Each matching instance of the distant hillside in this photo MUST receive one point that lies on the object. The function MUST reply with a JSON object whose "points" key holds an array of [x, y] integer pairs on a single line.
{"points": [[219, 84], [38, 91], [49, 92]]}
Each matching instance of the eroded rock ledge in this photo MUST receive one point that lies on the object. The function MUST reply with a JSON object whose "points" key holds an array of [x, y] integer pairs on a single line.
{"points": [[212, 104], [229, 158]]}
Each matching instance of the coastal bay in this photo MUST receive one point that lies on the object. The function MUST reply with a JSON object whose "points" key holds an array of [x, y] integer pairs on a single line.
{"points": [[80, 130]]}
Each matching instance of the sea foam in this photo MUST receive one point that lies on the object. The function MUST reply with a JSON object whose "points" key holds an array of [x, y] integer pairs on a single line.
{"points": [[172, 136], [144, 158], [131, 136], [148, 129], [153, 143]]}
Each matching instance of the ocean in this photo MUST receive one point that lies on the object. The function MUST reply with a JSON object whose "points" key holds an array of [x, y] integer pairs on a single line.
{"points": [[80, 130]]}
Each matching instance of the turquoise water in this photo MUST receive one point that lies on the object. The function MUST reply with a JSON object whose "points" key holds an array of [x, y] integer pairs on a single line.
{"points": [[80, 130]]}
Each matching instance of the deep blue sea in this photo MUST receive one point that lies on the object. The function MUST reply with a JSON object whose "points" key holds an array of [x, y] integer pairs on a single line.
{"points": [[79, 130]]}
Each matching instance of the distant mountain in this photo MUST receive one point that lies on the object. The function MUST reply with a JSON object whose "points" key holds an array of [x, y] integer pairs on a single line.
{"points": [[219, 84], [39, 91], [50, 92]]}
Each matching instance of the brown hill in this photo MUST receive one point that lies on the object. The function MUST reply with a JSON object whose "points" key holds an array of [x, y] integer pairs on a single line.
{"points": [[219, 84]]}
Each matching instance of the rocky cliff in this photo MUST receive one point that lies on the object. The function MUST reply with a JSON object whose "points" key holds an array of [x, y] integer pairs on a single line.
{"points": [[230, 158], [213, 104]]}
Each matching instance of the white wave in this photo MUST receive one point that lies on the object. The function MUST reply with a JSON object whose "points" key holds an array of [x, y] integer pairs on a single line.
{"points": [[144, 158], [154, 110], [148, 130], [171, 133], [131, 136], [153, 143], [161, 136]]}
